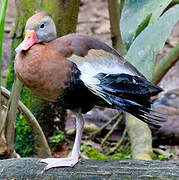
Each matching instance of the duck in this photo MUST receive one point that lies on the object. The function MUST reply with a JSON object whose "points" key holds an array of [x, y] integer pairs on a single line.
{"points": [[78, 72]]}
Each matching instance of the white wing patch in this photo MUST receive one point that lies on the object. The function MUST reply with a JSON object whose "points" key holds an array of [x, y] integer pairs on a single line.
{"points": [[95, 62]]}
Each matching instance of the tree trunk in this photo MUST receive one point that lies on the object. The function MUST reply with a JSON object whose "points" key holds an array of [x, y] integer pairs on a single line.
{"points": [[140, 138], [115, 10], [31, 168]]}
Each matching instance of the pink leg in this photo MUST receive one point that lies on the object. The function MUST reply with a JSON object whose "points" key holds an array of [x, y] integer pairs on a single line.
{"points": [[76, 153]]}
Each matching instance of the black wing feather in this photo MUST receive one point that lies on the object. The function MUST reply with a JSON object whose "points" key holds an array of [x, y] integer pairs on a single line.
{"points": [[131, 94], [129, 87]]}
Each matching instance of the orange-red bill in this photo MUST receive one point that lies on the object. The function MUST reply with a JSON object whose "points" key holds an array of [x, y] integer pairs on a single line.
{"points": [[29, 40]]}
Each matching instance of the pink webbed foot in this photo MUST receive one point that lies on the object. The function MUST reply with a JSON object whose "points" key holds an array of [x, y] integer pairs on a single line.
{"points": [[62, 162], [59, 162]]}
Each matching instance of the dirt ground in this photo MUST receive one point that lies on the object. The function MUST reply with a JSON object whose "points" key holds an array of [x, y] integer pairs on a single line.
{"points": [[94, 20]]}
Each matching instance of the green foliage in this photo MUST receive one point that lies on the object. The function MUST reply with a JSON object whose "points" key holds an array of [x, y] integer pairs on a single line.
{"points": [[162, 157], [11, 73], [143, 51], [58, 137], [3, 6], [144, 28], [92, 153], [123, 153], [24, 141], [137, 14], [10, 76]]}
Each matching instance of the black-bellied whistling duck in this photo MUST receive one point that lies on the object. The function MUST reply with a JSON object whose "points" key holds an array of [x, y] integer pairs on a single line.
{"points": [[79, 72]]}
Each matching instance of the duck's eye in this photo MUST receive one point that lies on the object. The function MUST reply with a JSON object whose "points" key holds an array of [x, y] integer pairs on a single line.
{"points": [[42, 26]]}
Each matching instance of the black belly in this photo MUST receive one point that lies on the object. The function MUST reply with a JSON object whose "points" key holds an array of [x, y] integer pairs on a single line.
{"points": [[76, 95]]}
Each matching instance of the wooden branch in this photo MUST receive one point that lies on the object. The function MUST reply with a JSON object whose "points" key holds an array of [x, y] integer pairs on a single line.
{"points": [[10, 117], [118, 144], [30, 168], [112, 129], [115, 15], [92, 136], [41, 145], [3, 144], [140, 138], [165, 64]]}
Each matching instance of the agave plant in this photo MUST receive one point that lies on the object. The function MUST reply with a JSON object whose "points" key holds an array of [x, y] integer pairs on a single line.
{"points": [[145, 32], [142, 32]]}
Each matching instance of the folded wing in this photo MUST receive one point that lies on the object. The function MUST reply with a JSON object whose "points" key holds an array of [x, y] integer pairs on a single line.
{"points": [[110, 76]]}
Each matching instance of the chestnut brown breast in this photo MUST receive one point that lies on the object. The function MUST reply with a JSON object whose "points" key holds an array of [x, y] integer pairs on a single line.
{"points": [[43, 70]]}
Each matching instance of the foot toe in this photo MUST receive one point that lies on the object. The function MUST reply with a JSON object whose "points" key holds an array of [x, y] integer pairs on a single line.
{"points": [[59, 162], [83, 156], [47, 160]]}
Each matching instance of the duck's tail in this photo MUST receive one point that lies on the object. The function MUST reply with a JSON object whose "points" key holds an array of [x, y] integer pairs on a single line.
{"points": [[131, 94]]}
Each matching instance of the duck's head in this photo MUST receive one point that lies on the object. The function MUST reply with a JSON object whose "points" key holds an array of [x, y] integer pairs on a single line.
{"points": [[40, 28]]}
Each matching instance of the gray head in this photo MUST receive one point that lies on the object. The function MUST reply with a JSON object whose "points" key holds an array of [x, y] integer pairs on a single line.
{"points": [[43, 26], [40, 28]]}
